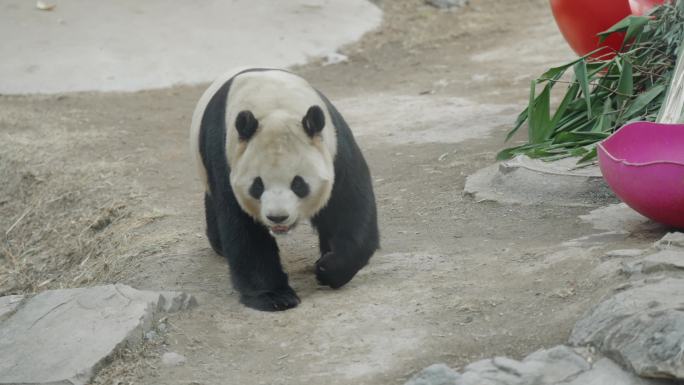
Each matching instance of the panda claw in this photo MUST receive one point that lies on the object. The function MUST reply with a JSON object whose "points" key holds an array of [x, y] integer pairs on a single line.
{"points": [[272, 300]]}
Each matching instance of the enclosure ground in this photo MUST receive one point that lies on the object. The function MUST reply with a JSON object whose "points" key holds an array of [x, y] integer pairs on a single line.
{"points": [[100, 188]]}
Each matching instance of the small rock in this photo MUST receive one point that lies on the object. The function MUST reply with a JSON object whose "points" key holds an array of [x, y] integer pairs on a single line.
{"points": [[335, 58], [437, 374], [151, 335], [446, 4], [9, 303], [671, 240], [173, 359]]}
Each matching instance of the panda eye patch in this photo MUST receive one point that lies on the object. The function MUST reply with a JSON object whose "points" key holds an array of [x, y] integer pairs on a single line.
{"points": [[257, 188], [299, 187]]}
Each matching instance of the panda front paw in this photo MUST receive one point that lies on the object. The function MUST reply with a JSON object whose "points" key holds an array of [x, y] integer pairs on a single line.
{"points": [[333, 271], [275, 300]]}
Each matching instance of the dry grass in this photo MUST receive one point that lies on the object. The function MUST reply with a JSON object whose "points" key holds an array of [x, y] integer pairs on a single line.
{"points": [[63, 222]]}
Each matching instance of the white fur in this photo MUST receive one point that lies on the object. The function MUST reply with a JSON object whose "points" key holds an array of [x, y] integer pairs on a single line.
{"points": [[279, 150], [196, 122]]}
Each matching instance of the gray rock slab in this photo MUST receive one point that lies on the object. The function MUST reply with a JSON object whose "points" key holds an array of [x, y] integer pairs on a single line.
{"points": [[664, 260], [641, 328], [9, 303], [560, 365], [63, 336], [529, 181], [605, 372], [542, 367]]}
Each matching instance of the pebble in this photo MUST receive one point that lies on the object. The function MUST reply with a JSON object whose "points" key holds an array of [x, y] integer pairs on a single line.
{"points": [[173, 359]]}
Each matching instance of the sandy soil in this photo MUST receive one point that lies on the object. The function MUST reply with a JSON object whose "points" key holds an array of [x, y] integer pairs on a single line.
{"points": [[100, 188]]}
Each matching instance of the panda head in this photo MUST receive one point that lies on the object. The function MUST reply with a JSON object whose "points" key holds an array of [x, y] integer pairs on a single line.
{"points": [[281, 172]]}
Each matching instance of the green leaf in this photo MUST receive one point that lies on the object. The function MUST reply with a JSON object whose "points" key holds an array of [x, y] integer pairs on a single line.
{"points": [[581, 76], [617, 27], [643, 100], [556, 72], [590, 156], [636, 26], [570, 95], [626, 82], [539, 127], [518, 123]]}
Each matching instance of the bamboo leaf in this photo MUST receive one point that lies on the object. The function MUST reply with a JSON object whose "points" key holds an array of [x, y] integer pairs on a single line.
{"points": [[557, 72], [563, 106], [581, 76], [626, 82], [591, 155], [636, 26], [607, 91], [539, 120], [642, 101], [518, 123], [619, 26]]}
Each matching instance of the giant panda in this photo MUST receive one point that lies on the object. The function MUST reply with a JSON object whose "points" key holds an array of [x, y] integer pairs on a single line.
{"points": [[272, 152]]}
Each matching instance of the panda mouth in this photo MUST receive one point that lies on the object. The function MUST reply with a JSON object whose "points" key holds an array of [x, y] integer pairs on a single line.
{"points": [[281, 229]]}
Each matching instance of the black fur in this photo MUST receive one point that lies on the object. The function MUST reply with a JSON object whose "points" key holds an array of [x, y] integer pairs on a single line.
{"points": [[347, 226], [257, 188], [246, 124], [314, 121], [300, 187]]}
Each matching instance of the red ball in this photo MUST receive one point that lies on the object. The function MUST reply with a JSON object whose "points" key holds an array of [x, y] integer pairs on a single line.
{"points": [[581, 20]]}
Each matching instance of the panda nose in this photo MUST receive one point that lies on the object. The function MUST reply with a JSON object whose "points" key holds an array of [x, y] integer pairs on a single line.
{"points": [[277, 218]]}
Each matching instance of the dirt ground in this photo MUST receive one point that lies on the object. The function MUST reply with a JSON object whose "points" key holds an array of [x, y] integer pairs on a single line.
{"points": [[99, 187]]}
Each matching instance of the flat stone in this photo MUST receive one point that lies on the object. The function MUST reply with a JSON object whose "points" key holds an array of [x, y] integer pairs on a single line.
{"points": [[560, 365], [437, 374], [63, 336], [618, 217], [642, 328], [671, 240], [9, 303], [527, 181]]}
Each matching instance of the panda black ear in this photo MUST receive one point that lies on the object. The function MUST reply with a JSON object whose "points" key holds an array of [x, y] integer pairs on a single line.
{"points": [[313, 121], [246, 124]]}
